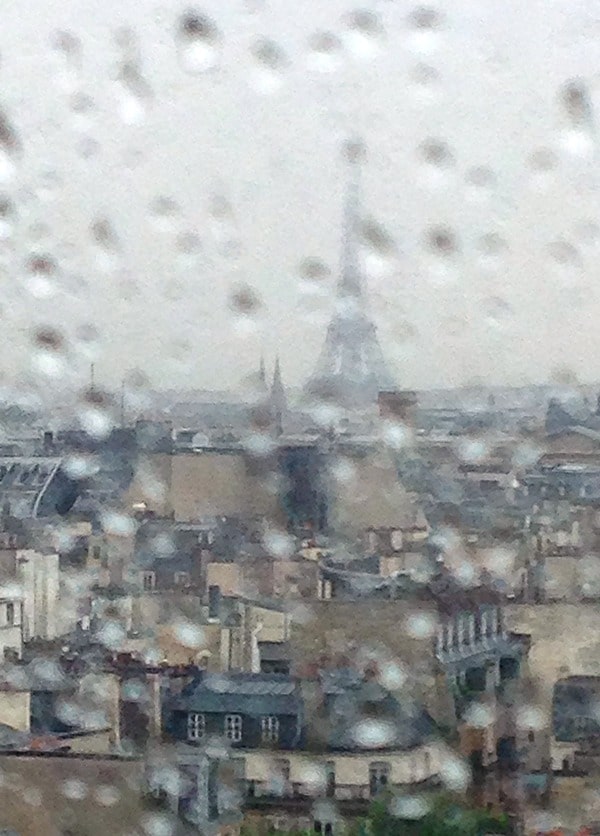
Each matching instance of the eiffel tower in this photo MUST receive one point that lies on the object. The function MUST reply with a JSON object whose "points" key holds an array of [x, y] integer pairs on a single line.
{"points": [[351, 368]]}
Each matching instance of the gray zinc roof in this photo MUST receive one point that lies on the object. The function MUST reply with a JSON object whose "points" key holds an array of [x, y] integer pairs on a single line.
{"points": [[251, 694]]}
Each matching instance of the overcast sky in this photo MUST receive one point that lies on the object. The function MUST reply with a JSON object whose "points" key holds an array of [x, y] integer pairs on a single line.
{"points": [[128, 161]]}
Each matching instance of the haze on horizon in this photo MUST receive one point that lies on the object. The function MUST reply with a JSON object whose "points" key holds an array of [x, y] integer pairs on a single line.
{"points": [[160, 195]]}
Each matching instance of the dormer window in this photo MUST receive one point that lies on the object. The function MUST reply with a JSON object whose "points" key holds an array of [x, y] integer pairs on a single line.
{"points": [[233, 727], [196, 726], [149, 581], [270, 729]]}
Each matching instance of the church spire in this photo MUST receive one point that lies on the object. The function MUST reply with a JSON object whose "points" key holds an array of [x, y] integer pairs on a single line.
{"points": [[278, 398], [262, 374]]}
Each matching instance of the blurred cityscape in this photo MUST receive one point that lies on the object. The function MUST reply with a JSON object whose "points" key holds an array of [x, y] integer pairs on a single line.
{"points": [[264, 613]]}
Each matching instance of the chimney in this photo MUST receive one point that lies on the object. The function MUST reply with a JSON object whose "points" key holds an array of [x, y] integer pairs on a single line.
{"points": [[214, 603], [398, 405]]}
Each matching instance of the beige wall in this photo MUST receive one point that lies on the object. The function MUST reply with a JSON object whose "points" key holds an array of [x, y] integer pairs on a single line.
{"points": [[273, 624], [373, 497], [565, 640], [205, 650], [100, 692], [44, 781], [571, 443], [15, 709], [151, 484], [351, 770], [195, 485], [227, 576], [561, 577], [97, 743], [214, 484]]}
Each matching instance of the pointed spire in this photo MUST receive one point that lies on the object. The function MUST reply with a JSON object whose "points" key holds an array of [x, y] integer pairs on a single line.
{"points": [[278, 398], [262, 374], [350, 283]]}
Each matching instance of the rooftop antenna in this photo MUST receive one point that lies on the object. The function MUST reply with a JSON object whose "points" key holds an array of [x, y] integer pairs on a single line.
{"points": [[123, 403], [92, 378]]}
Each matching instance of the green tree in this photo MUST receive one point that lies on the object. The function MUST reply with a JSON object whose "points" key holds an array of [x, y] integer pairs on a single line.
{"points": [[445, 817]]}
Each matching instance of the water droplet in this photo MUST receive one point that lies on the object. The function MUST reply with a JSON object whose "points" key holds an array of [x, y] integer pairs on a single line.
{"points": [[41, 272], [424, 24], [188, 243], [362, 33], [158, 824], [373, 734], [379, 248], [164, 211], [270, 63], [134, 93], [106, 241], [481, 181], [117, 524], [324, 54], [10, 147], [107, 796], [94, 414], [588, 232], [8, 215], [314, 270], [479, 716], [565, 258], [199, 43], [279, 543], [576, 101], [472, 450], [491, 248], [82, 105], [223, 227], [420, 625], [497, 312], [442, 242], [542, 160], [425, 19], [455, 774], [68, 48], [532, 717], [48, 356], [188, 634], [112, 635], [424, 77], [74, 789], [80, 466], [87, 147], [436, 153], [409, 807], [244, 300]]}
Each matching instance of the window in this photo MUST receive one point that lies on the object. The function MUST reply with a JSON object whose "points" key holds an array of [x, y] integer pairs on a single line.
{"points": [[196, 726], [531, 736], [10, 613], [379, 774], [233, 727], [181, 578], [149, 581], [330, 779], [97, 552], [270, 729]]}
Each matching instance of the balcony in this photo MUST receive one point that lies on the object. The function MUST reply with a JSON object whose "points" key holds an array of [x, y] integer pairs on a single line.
{"points": [[486, 649]]}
